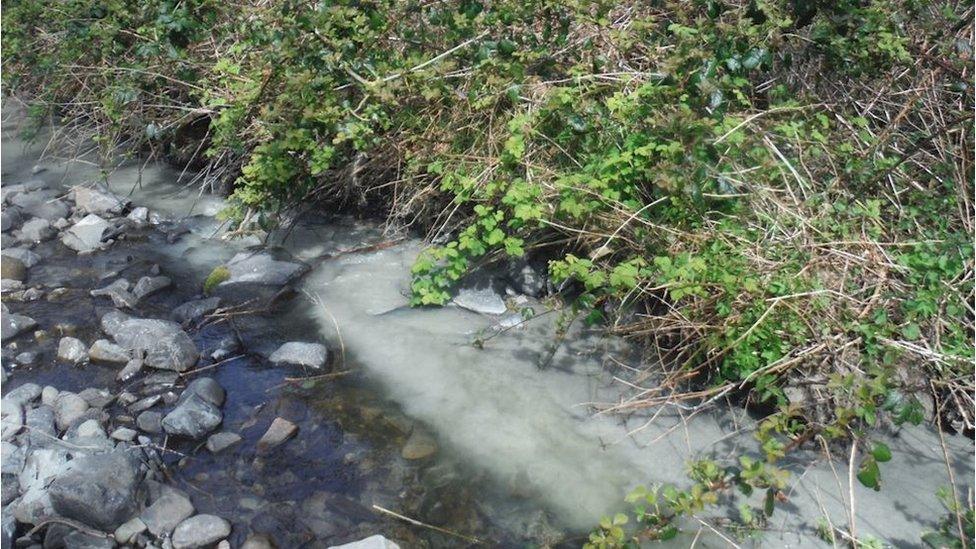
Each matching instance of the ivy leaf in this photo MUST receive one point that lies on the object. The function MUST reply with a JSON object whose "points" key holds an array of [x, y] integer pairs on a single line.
{"points": [[868, 474], [881, 452]]}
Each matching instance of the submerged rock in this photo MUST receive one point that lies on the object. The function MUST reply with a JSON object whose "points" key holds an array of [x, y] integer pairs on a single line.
{"points": [[262, 268], [72, 350], [200, 531], [127, 532], [420, 445], [12, 325], [280, 431], [218, 442], [207, 389], [85, 235], [25, 256], [105, 351], [192, 311], [311, 355], [99, 490], [118, 291], [170, 509], [193, 417], [372, 542], [99, 200], [166, 345], [12, 268], [148, 285]]}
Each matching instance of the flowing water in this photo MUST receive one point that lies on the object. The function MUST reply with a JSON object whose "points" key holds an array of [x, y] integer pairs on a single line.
{"points": [[522, 458]]}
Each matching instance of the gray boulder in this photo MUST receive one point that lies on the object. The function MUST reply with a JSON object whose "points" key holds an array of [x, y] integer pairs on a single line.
{"points": [[68, 408], [192, 311], [207, 389], [99, 200], [218, 442], [170, 509], [148, 285], [200, 531], [104, 350], [100, 490], [11, 418], [481, 300], [280, 431], [193, 417], [41, 203], [25, 394], [12, 325], [262, 268], [166, 345], [72, 350], [36, 230], [311, 355], [85, 235]]}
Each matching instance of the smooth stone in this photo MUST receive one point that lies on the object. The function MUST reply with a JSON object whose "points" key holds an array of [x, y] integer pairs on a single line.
{"points": [[218, 442], [40, 423], [280, 431], [481, 300], [99, 490], [49, 395], [257, 541], [12, 268], [81, 540], [97, 398], [372, 542], [98, 200], [25, 256], [146, 286], [166, 345], [124, 434], [420, 445], [10, 218], [192, 311], [104, 350], [112, 321], [85, 235], [311, 355], [200, 531], [36, 230], [68, 408], [208, 389], [25, 394], [132, 368], [144, 404], [170, 509], [11, 458], [150, 422], [194, 417], [139, 215], [8, 286], [128, 530], [11, 419], [262, 268], [12, 325], [72, 350], [118, 292], [26, 358], [41, 466], [42, 203]]}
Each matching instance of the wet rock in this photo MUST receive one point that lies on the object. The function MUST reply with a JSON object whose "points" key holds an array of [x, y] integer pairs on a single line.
{"points": [[68, 408], [118, 291], [166, 345], [25, 256], [105, 351], [72, 350], [132, 368], [11, 419], [148, 285], [127, 532], [194, 417], [25, 394], [208, 389], [280, 431], [227, 346], [372, 542], [40, 423], [311, 355], [112, 321], [9, 488], [200, 531], [10, 218], [139, 216], [150, 422], [192, 311], [124, 434], [99, 200], [262, 268], [36, 230], [11, 458], [8, 529], [8, 286], [257, 541], [170, 509], [420, 445], [41, 466], [49, 395], [100, 490], [41, 203], [218, 442], [12, 325], [12, 268], [82, 540], [481, 300], [144, 404], [96, 398], [27, 358], [85, 235]]}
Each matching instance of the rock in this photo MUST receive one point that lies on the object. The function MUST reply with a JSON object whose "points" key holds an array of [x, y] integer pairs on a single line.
{"points": [[105, 351], [481, 300], [311, 355], [132, 368], [11, 458], [372, 542], [11, 419], [72, 350], [127, 532], [8, 286], [420, 445], [12, 268], [41, 203], [166, 345], [25, 394], [12, 325], [218, 442], [147, 285], [207, 389], [9, 191], [26, 358], [112, 321], [257, 541], [25, 256], [99, 490], [97, 398], [89, 435], [262, 268], [280, 430], [194, 417], [8, 529], [139, 216], [49, 395], [68, 408], [99, 200], [10, 218], [124, 434], [150, 422], [118, 291], [40, 423], [526, 279], [41, 467], [9, 489], [81, 540], [200, 531], [170, 509], [144, 404], [192, 311], [85, 235]]}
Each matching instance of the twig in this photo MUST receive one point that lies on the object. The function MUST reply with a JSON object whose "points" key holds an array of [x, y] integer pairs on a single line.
{"points": [[425, 525]]}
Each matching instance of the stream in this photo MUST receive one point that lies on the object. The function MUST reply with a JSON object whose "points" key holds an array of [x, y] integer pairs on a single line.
{"points": [[495, 443]]}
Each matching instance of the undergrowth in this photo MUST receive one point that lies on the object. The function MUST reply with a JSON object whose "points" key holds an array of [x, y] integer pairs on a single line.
{"points": [[775, 197]]}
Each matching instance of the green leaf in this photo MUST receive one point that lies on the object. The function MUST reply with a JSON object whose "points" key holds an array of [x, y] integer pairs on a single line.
{"points": [[769, 504], [868, 474], [911, 331], [881, 452]]}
